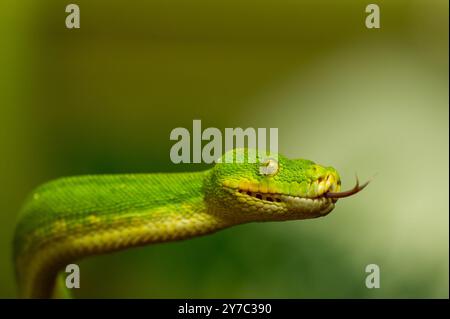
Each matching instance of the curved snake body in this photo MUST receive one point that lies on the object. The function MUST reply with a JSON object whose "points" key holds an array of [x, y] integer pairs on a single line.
{"points": [[75, 217]]}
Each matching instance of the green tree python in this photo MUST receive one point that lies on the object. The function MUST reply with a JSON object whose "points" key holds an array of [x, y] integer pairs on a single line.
{"points": [[74, 217]]}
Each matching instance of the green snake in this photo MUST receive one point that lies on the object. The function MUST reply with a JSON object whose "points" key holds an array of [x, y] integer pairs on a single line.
{"points": [[74, 217]]}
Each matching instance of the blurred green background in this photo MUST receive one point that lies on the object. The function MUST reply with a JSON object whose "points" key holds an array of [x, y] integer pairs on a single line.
{"points": [[104, 98]]}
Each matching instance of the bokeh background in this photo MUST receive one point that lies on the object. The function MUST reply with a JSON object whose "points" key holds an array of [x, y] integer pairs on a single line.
{"points": [[104, 98]]}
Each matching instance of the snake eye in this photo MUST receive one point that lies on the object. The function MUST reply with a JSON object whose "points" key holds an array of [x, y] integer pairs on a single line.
{"points": [[269, 167]]}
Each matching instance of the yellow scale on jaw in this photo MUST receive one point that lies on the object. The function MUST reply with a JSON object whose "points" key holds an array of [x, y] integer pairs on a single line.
{"points": [[304, 189]]}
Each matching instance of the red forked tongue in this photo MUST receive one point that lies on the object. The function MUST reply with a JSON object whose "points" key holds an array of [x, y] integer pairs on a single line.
{"points": [[348, 193]]}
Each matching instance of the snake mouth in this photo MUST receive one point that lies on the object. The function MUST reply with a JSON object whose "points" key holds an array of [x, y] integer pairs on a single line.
{"points": [[280, 198]]}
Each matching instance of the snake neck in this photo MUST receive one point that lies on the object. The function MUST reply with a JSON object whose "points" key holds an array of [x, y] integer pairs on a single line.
{"points": [[68, 220]]}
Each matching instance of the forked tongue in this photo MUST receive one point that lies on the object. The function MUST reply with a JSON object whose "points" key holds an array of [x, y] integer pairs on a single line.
{"points": [[348, 193]]}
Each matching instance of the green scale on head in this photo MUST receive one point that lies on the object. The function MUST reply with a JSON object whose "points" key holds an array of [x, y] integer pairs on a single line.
{"points": [[240, 183]]}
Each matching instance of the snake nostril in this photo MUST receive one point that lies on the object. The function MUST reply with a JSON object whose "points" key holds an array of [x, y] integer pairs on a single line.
{"points": [[269, 199], [258, 196], [249, 193]]}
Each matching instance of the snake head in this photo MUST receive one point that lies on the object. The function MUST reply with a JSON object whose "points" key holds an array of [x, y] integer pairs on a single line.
{"points": [[249, 186]]}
